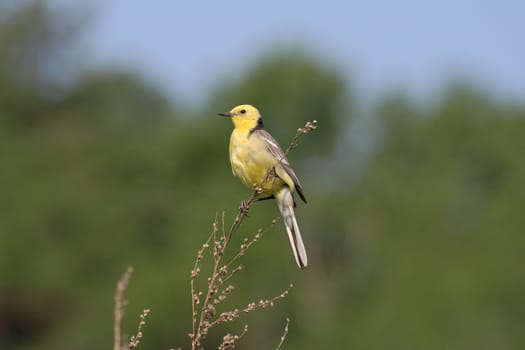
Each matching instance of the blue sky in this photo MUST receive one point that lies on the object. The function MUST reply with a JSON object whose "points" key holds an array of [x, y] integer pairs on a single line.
{"points": [[188, 47]]}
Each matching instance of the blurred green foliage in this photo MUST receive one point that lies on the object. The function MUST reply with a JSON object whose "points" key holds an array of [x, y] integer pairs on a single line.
{"points": [[100, 171]]}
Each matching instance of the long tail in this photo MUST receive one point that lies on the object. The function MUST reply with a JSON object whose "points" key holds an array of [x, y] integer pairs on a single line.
{"points": [[285, 202]]}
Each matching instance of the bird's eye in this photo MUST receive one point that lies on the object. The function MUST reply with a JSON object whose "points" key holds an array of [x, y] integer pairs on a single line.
{"points": [[243, 111]]}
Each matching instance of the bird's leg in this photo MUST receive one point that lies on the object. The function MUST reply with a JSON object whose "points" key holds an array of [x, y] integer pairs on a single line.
{"points": [[246, 204], [272, 175], [264, 198]]}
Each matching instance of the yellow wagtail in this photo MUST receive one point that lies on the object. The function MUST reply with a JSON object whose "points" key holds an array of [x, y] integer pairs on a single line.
{"points": [[255, 157]]}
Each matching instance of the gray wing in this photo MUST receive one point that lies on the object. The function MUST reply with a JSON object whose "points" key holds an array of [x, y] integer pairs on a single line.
{"points": [[273, 147]]}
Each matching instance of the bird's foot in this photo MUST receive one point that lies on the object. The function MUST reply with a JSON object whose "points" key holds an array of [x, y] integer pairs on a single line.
{"points": [[245, 207]]}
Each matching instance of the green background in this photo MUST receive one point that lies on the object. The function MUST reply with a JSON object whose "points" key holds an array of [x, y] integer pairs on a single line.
{"points": [[414, 226]]}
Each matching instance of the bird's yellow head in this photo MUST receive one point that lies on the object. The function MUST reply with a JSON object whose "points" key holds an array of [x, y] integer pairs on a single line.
{"points": [[244, 117]]}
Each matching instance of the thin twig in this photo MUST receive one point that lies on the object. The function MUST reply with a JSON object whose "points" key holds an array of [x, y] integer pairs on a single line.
{"points": [[263, 304], [308, 127], [120, 303], [228, 341], [195, 295], [135, 339], [285, 333], [206, 312]]}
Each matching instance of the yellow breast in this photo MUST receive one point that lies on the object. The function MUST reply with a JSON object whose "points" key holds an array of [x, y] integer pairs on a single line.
{"points": [[250, 161]]}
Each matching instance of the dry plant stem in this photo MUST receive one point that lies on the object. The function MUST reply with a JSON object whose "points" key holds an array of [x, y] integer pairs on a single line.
{"points": [[120, 303], [197, 328], [268, 302], [285, 333], [228, 341], [135, 339], [194, 273], [307, 128], [261, 304], [202, 318], [219, 276]]}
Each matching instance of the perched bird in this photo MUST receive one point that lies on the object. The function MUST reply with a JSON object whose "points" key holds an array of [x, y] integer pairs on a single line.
{"points": [[254, 153]]}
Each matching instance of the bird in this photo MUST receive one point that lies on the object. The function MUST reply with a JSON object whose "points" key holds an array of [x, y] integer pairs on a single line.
{"points": [[256, 157]]}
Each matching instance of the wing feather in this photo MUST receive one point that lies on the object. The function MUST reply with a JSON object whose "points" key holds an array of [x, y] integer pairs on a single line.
{"points": [[276, 151]]}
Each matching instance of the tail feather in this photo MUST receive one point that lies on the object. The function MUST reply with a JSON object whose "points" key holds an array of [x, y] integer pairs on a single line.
{"points": [[286, 204]]}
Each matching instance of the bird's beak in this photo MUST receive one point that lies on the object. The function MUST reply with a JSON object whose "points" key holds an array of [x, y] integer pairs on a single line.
{"points": [[226, 114]]}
